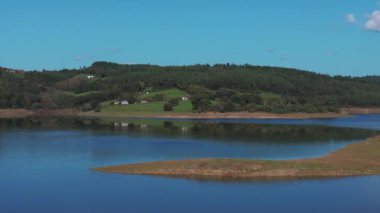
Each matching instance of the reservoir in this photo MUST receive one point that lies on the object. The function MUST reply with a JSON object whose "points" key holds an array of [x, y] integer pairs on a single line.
{"points": [[45, 165]]}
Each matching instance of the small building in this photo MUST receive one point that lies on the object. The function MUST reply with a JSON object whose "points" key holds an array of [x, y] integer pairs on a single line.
{"points": [[121, 102], [185, 98], [124, 102], [90, 77], [143, 102]]}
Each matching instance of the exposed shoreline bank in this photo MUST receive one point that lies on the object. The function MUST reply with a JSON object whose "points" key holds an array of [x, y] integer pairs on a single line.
{"points": [[357, 159], [20, 113], [216, 115]]}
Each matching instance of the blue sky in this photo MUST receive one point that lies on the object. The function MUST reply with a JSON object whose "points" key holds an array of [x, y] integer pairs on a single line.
{"points": [[326, 36]]}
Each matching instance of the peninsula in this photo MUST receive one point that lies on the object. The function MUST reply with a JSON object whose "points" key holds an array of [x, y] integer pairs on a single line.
{"points": [[354, 160]]}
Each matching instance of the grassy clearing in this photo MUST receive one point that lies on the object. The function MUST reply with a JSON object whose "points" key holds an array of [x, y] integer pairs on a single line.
{"points": [[168, 94], [356, 159], [140, 109], [82, 94], [153, 107], [183, 107], [107, 108]]}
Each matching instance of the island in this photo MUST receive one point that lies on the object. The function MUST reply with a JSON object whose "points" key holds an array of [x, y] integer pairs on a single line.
{"points": [[357, 159]]}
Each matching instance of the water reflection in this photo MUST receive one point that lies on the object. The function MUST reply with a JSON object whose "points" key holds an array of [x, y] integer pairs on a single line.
{"points": [[227, 132], [45, 166]]}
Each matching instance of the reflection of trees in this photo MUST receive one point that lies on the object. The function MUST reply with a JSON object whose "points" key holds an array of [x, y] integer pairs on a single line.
{"points": [[201, 130]]}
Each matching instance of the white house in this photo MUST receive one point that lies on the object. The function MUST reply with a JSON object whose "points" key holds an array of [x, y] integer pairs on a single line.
{"points": [[124, 102], [121, 102], [184, 98], [90, 77]]}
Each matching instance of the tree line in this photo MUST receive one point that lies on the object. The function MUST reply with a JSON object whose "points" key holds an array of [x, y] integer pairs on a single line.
{"points": [[219, 87]]}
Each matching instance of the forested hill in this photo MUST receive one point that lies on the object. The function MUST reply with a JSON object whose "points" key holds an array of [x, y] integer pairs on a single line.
{"points": [[221, 87]]}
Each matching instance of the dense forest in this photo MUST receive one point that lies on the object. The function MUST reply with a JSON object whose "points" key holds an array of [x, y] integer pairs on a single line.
{"points": [[220, 87]]}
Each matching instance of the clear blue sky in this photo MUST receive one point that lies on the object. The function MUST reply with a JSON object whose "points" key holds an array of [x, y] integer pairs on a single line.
{"points": [[327, 36]]}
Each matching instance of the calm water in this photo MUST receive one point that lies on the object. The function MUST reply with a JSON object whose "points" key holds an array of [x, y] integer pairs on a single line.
{"points": [[45, 165]]}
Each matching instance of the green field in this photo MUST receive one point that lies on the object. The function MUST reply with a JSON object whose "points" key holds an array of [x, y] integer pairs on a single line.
{"points": [[183, 107], [149, 108], [168, 94], [81, 94], [154, 107], [108, 108]]}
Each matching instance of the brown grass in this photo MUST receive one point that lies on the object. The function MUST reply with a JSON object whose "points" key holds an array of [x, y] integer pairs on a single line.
{"points": [[21, 113], [356, 159], [360, 110], [15, 113], [217, 115]]}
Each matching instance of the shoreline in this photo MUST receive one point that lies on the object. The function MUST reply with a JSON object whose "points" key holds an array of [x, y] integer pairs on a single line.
{"points": [[217, 115], [15, 113], [345, 112], [358, 159], [23, 113]]}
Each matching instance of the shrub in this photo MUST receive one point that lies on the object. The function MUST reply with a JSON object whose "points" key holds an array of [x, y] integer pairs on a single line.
{"points": [[86, 107], [157, 97], [174, 101], [168, 107]]}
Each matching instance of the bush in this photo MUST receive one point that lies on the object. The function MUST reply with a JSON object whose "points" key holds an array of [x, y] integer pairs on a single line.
{"points": [[203, 105], [171, 104], [157, 97], [168, 107], [86, 107], [251, 108], [98, 109], [228, 106], [174, 101]]}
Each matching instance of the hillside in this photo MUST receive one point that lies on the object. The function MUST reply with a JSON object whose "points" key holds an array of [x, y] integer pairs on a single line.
{"points": [[186, 89]]}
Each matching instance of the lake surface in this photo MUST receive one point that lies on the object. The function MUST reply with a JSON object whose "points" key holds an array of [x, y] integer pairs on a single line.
{"points": [[45, 165]]}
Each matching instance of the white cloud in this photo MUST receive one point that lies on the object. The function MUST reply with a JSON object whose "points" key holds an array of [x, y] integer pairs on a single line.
{"points": [[351, 18], [373, 22]]}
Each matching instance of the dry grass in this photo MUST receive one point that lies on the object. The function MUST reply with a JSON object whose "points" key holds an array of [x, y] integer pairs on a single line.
{"points": [[356, 159], [15, 113], [215, 115], [372, 110], [22, 113]]}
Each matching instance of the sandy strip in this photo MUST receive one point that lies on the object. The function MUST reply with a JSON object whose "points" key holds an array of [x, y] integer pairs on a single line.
{"points": [[354, 160]]}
